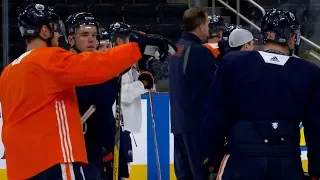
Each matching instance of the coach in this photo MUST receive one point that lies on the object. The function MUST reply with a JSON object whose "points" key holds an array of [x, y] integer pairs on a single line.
{"points": [[191, 71]]}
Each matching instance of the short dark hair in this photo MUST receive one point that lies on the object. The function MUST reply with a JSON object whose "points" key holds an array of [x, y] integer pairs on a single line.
{"points": [[193, 18], [238, 48]]}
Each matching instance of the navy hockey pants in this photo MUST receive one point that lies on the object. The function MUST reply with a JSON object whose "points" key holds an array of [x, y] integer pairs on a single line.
{"points": [[125, 157], [66, 171], [92, 171], [187, 156], [235, 167]]}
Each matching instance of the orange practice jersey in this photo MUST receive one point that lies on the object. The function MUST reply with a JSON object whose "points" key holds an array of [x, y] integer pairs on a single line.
{"points": [[41, 120], [213, 49]]}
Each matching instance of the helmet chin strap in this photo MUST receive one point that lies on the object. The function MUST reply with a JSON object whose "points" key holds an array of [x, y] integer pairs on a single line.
{"points": [[75, 46]]}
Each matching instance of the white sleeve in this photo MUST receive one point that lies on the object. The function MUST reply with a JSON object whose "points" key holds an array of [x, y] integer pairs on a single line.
{"points": [[130, 90]]}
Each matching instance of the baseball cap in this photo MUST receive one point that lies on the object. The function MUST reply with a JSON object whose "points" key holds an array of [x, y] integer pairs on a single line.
{"points": [[239, 37]]}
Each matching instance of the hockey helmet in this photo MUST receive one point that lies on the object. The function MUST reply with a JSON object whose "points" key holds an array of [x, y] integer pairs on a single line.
{"points": [[104, 35], [119, 29], [227, 31], [217, 23], [279, 25], [80, 19], [34, 16], [104, 39]]}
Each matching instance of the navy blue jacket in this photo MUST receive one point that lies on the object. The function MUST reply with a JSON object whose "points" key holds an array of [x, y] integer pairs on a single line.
{"points": [[189, 90], [257, 101], [100, 125]]}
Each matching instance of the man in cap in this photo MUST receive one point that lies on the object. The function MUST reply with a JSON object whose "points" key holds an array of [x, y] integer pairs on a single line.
{"points": [[241, 40]]}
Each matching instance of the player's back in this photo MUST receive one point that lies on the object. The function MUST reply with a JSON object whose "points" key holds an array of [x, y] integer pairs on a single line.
{"points": [[40, 117], [270, 97]]}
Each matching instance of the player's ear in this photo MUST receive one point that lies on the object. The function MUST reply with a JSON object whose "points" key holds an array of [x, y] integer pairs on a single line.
{"points": [[45, 32], [291, 40], [71, 40], [119, 41]]}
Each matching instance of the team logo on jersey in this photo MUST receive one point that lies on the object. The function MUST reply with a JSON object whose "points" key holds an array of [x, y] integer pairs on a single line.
{"points": [[179, 52], [275, 59], [275, 125]]}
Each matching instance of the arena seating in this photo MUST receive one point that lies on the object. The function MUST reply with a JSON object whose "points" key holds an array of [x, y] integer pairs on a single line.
{"points": [[140, 13], [171, 13], [151, 16], [107, 13]]}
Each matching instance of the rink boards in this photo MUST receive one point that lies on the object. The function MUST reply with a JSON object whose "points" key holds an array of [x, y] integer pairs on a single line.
{"points": [[144, 165]]}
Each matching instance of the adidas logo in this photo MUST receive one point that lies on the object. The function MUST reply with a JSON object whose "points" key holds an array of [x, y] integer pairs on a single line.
{"points": [[275, 59]]}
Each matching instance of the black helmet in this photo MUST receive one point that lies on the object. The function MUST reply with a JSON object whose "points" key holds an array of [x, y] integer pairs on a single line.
{"points": [[119, 29], [278, 26], [217, 23], [77, 20], [34, 16], [227, 31], [104, 35], [80, 19]]}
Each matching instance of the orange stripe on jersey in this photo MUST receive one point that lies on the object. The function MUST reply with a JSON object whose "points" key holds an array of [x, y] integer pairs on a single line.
{"points": [[222, 166]]}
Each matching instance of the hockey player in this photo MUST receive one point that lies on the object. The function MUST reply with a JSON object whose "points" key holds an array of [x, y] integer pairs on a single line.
{"points": [[83, 34], [104, 41], [257, 100], [41, 122], [241, 40], [216, 27], [133, 85], [191, 71]]}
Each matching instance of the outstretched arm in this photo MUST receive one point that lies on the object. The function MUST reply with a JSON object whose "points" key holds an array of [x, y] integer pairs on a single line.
{"points": [[70, 69]]}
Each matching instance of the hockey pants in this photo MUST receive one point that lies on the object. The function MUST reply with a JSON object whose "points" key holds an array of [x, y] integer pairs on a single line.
{"points": [[187, 157], [235, 167], [92, 171], [68, 171]]}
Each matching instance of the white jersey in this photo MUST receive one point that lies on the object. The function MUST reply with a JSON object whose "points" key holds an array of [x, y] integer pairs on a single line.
{"points": [[131, 91]]}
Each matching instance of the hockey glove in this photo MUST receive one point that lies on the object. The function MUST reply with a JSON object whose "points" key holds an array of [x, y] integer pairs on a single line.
{"points": [[147, 77], [149, 44], [144, 63]]}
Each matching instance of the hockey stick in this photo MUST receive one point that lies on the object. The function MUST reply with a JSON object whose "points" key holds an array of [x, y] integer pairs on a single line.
{"points": [[116, 150], [155, 135], [87, 114]]}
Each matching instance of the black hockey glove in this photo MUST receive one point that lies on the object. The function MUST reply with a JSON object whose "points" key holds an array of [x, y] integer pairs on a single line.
{"points": [[151, 43], [147, 77], [144, 63]]}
